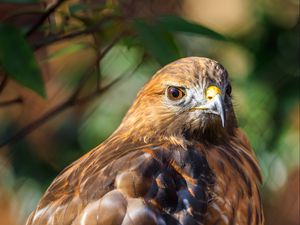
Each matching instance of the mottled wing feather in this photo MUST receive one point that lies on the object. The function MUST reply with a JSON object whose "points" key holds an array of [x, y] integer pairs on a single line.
{"points": [[155, 185]]}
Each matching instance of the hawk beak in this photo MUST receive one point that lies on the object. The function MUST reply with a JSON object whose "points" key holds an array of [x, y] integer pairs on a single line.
{"points": [[214, 105], [219, 105]]}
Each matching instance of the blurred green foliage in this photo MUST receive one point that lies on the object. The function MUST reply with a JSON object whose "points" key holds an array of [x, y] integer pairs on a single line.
{"points": [[17, 59], [263, 62]]}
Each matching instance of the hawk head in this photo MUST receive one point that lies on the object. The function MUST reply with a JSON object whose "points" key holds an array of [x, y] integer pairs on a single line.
{"points": [[189, 98]]}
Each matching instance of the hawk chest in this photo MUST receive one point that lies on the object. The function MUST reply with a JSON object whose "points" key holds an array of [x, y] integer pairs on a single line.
{"points": [[174, 183], [199, 185], [235, 195]]}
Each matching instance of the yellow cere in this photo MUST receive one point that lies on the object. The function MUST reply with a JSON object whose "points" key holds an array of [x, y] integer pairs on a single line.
{"points": [[212, 91]]}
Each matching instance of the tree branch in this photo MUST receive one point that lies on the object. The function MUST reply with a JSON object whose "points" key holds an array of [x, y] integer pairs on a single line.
{"points": [[108, 86], [3, 83], [85, 77], [54, 38], [11, 102], [43, 18], [60, 108], [72, 100]]}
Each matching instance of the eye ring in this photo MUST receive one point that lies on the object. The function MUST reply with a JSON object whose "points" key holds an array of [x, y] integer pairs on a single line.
{"points": [[175, 93]]}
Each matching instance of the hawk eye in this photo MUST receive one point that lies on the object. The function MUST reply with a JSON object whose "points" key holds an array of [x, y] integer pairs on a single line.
{"points": [[175, 93]]}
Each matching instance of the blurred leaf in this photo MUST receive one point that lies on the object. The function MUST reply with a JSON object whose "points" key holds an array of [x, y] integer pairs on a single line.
{"points": [[17, 59], [175, 23], [159, 42]]}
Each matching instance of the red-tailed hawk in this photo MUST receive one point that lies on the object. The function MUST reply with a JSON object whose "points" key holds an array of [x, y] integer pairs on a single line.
{"points": [[178, 157]]}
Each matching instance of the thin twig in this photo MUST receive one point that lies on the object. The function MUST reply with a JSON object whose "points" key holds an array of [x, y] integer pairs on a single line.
{"points": [[37, 123], [54, 38], [82, 82], [60, 108], [43, 18], [21, 12], [11, 102], [71, 101], [108, 86], [85, 77], [3, 83], [98, 74], [98, 69]]}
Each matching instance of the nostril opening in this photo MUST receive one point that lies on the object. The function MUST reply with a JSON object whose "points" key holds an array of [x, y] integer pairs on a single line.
{"points": [[209, 97]]}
